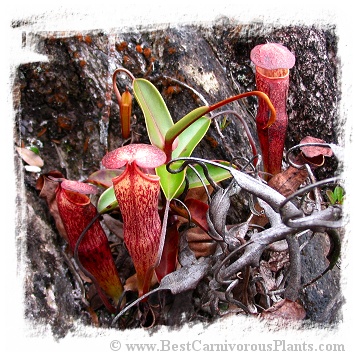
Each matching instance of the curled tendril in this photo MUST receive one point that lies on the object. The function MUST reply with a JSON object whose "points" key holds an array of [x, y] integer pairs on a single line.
{"points": [[224, 261], [249, 162], [246, 128], [253, 210], [293, 220], [307, 167], [189, 218], [190, 161], [202, 181], [114, 77], [231, 299]]}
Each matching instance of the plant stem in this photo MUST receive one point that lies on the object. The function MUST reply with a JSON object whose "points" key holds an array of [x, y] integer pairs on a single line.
{"points": [[197, 113]]}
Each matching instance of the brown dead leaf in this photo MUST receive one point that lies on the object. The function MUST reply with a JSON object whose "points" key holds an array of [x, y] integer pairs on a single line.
{"points": [[114, 225], [30, 157], [47, 188], [285, 309], [288, 181], [131, 283], [199, 193], [94, 318], [314, 151], [200, 242]]}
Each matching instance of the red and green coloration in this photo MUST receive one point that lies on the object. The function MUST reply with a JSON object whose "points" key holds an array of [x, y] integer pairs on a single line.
{"points": [[137, 194], [272, 62], [77, 212]]}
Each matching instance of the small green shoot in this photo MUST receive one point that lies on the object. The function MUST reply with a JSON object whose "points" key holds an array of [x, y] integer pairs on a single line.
{"points": [[336, 196]]}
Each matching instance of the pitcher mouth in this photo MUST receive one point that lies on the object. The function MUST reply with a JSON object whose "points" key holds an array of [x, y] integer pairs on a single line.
{"points": [[273, 73], [77, 198]]}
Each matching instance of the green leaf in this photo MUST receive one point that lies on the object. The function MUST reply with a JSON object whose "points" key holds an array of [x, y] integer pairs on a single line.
{"points": [[107, 201], [185, 122], [170, 183], [331, 196], [34, 149], [339, 194], [191, 136], [188, 139], [336, 196], [217, 174], [156, 113]]}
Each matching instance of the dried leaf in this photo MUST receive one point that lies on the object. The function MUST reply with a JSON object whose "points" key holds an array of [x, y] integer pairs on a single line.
{"points": [[314, 151], [30, 157], [285, 309], [103, 178], [236, 234], [200, 242], [47, 188], [199, 193], [217, 212], [132, 283], [94, 318], [267, 276], [198, 211], [177, 282], [114, 225], [288, 181], [186, 255], [185, 278]]}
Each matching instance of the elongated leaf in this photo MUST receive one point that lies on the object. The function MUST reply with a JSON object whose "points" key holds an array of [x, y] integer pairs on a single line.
{"points": [[184, 125], [191, 129], [157, 116], [185, 122], [188, 140], [107, 201], [185, 278], [191, 136]]}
